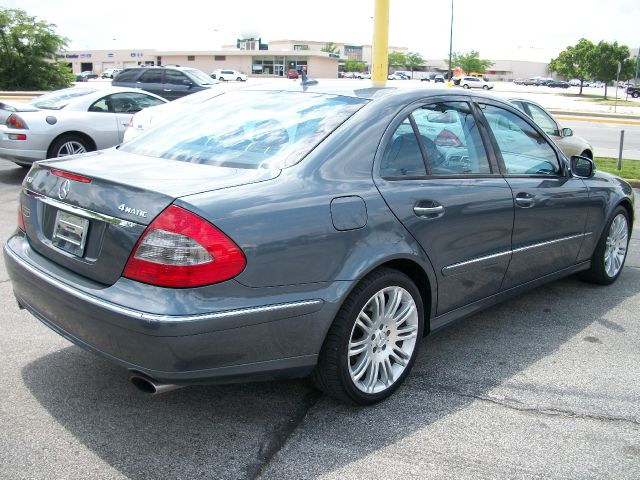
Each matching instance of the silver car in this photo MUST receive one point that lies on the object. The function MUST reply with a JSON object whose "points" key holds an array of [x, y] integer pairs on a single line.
{"points": [[569, 143], [68, 122]]}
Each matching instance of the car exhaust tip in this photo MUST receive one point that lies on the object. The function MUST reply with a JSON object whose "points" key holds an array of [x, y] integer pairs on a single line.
{"points": [[151, 386]]}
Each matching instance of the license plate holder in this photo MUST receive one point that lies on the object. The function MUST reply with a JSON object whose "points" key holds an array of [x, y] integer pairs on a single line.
{"points": [[70, 232]]}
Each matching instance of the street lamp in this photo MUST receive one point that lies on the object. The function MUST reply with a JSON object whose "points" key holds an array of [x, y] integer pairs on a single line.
{"points": [[450, 43]]}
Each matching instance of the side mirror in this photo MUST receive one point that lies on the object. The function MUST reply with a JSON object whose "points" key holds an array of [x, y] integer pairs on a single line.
{"points": [[582, 167], [188, 83], [567, 132]]}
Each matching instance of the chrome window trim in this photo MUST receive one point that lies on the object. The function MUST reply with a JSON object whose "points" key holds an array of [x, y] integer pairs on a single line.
{"points": [[291, 307], [461, 267], [83, 212]]}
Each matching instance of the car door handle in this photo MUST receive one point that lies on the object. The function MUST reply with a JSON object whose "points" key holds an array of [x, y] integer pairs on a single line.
{"points": [[429, 212], [525, 200], [167, 90], [124, 124]]}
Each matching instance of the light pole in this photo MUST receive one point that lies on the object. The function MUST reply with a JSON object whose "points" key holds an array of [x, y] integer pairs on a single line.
{"points": [[380, 43], [450, 43]]}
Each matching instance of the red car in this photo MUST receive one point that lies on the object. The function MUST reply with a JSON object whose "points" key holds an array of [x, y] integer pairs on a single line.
{"points": [[293, 73]]}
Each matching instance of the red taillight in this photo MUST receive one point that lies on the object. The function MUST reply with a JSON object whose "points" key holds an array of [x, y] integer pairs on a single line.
{"points": [[180, 249], [17, 136], [14, 121], [446, 138], [70, 176], [21, 218]]}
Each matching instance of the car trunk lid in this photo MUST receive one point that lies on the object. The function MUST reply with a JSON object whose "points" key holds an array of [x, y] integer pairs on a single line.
{"points": [[87, 212]]}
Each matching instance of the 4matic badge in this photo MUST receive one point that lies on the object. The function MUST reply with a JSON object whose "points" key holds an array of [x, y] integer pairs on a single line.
{"points": [[140, 213]]}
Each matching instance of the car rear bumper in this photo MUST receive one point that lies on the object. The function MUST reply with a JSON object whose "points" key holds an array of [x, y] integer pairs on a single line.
{"points": [[21, 155], [258, 342]]}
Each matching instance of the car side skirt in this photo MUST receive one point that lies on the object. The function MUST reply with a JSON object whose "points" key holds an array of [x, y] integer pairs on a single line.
{"points": [[448, 318]]}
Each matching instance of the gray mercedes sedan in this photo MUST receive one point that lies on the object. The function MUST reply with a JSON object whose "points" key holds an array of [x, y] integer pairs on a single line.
{"points": [[307, 230]]}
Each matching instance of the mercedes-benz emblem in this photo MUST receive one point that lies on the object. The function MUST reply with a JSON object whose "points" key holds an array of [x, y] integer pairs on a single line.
{"points": [[63, 189]]}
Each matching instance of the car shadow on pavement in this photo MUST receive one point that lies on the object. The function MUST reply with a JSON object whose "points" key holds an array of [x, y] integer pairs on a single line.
{"points": [[11, 174], [232, 431]]}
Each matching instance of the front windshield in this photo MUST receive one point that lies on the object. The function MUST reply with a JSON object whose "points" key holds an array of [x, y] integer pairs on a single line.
{"points": [[248, 129], [61, 98], [201, 77]]}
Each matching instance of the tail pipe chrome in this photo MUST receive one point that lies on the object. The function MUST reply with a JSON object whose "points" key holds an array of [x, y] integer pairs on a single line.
{"points": [[149, 385]]}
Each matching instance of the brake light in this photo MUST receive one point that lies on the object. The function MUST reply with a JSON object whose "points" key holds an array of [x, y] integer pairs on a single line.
{"points": [[70, 176], [17, 136], [21, 218], [14, 121], [446, 138], [180, 249]]}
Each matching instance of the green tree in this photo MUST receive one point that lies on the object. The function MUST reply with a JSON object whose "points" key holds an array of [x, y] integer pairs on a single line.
{"points": [[353, 66], [413, 60], [575, 61], [604, 61], [329, 47], [469, 62], [28, 48], [397, 59]]}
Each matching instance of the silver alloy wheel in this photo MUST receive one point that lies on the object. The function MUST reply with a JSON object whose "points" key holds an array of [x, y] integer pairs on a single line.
{"points": [[616, 247], [70, 148], [383, 339]]}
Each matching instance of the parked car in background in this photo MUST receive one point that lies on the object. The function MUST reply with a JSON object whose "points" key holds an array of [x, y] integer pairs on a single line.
{"points": [[558, 84], [533, 81], [68, 122], [398, 76], [475, 82], [228, 75], [574, 82], [633, 91], [168, 82], [149, 117], [569, 143], [192, 254], [86, 75], [544, 82], [363, 75], [292, 73], [110, 72], [438, 78]]}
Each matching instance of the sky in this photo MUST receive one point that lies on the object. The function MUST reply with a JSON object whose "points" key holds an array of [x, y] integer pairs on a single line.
{"points": [[500, 29]]}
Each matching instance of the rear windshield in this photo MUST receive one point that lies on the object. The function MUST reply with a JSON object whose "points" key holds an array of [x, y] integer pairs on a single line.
{"points": [[248, 129], [61, 98]]}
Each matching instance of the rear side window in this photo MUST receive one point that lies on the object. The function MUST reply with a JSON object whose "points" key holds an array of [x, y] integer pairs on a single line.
{"points": [[132, 102], [523, 149], [127, 75], [176, 78], [257, 129], [403, 156], [451, 139]]}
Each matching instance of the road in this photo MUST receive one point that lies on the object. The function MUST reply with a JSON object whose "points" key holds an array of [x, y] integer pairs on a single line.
{"points": [[545, 385], [605, 137]]}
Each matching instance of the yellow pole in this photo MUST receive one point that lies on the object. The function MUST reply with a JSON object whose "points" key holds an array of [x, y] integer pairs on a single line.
{"points": [[380, 43]]}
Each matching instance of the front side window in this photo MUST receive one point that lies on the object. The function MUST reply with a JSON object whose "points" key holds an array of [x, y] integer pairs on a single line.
{"points": [[131, 102], [523, 149], [543, 119], [176, 78], [257, 129]]}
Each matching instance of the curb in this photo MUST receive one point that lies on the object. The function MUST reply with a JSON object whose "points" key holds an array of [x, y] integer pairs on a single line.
{"points": [[633, 182], [574, 113]]}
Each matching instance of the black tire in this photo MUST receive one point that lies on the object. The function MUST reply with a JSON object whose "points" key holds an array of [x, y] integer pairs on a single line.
{"points": [[238, 79], [466, 86], [221, 79], [598, 271], [56, 147], [332, 373], [635, 94]]}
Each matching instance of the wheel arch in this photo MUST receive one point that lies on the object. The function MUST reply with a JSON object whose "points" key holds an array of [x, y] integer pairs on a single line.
{"points": [[629, 208], [83, 135]]}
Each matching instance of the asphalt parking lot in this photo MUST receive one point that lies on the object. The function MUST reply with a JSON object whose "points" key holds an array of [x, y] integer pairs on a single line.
{"points": [[546, 385]]}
